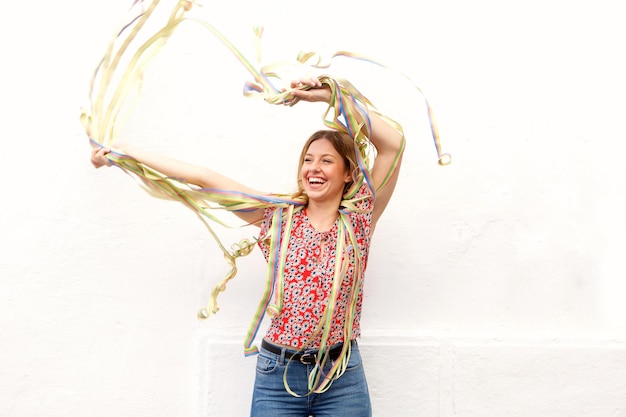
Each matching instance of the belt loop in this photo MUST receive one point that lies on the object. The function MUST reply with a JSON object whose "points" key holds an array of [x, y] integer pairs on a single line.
{"points": [[281, 360]]}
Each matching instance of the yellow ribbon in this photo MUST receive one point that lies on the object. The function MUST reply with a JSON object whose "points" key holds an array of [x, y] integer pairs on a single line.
{"points": [[348, 111]]}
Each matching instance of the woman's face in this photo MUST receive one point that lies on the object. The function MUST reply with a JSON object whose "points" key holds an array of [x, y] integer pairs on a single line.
{"points": [[323, 173]]}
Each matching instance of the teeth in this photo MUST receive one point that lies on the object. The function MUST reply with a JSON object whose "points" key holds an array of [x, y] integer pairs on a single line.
{"points": [[316, 181]]}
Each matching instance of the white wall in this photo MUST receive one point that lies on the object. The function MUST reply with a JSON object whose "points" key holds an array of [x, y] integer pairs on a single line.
{"points": [[495, 286]]}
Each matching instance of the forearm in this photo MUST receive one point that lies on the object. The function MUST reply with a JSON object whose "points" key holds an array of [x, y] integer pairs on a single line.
{"points": [[190, 173], [387, 138], [384, 134]]}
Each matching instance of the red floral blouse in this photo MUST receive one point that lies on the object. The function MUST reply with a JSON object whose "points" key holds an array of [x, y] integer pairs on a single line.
{"points": [[309, 272]]}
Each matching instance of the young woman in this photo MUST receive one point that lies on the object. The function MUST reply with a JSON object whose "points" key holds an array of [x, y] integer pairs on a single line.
{"points": [[309, 362]]}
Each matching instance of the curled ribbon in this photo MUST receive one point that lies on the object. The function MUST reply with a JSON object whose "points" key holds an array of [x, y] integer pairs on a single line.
{"points": [[112, 87]]}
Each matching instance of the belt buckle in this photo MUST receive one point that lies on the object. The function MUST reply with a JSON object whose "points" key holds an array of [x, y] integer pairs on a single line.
{"points": [[307, 358]]}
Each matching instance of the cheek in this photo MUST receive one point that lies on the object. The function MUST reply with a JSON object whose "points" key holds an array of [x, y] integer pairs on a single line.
{"points": [[302, 176]]}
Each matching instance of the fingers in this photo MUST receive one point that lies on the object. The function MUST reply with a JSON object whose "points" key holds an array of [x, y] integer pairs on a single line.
{"points": [[95, 158], [312, 82], [99, 158], [310, 89]]}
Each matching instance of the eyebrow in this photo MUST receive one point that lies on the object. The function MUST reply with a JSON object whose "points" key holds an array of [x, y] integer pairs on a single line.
{"points": [[323, 155]]}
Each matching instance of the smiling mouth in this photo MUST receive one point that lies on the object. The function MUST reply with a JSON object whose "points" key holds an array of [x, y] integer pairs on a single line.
{"points": [[316, 181]]}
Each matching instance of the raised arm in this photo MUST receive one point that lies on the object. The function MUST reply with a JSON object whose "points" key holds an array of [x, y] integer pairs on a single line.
{"points": [[389, 144], [387, 140], [193, 174]]}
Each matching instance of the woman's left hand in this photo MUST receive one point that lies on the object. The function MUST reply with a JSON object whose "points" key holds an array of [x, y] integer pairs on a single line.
{"points": [[316, 92]]}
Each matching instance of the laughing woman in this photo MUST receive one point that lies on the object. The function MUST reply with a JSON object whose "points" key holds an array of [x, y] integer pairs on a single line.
{"points": [[309, 362]]}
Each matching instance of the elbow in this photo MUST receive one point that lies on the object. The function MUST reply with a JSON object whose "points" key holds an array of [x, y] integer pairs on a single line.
{"points": [[401, 145], [393, 145], [396, 147]]}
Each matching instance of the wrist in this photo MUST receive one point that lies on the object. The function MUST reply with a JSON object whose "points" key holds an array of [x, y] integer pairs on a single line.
{"points": [[122, 148]]}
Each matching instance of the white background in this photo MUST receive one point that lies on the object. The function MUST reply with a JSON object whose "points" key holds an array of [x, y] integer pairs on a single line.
{"points": [[495, 285]]}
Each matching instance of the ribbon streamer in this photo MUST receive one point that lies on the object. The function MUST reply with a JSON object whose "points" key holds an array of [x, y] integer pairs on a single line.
{"points": [[111, 89]]}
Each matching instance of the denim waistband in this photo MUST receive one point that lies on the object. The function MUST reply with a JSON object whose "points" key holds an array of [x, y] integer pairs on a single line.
{"points": [[306, 357]]}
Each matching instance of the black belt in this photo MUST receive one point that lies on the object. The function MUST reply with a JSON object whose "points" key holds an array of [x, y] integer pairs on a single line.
{"points": [[307, 358]]}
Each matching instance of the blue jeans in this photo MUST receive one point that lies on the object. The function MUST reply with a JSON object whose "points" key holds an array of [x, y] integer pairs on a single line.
{"points": [[348, 396]]}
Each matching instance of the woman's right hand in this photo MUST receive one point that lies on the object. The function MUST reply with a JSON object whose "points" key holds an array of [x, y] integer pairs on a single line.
{"points": [[99, 157]]}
